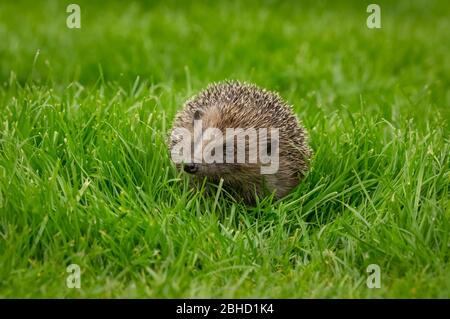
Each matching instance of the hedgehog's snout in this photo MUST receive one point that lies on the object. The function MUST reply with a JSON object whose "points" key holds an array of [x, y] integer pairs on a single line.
{"points": [[190, 168]]}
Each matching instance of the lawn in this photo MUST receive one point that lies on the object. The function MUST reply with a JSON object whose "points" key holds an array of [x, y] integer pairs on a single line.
{"points": [[86, 178]]}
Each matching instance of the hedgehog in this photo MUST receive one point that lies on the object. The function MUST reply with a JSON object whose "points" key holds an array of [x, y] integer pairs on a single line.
{"points": [[242, 136]]}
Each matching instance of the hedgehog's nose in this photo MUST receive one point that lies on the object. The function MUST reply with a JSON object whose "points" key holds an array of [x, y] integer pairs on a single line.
{"points": [[190, 168]]}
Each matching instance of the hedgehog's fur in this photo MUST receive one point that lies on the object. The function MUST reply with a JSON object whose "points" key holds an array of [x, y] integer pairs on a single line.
{"points": [[234, 104]]}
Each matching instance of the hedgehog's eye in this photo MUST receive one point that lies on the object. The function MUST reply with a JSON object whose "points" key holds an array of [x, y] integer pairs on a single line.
{"points": [[197, 115], [269, 148]]}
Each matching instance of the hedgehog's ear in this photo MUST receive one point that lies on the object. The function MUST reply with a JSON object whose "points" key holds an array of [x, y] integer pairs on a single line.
{"points": [[197, 115]]}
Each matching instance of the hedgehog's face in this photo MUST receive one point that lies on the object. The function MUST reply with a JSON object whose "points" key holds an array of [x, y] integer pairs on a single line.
{"points": [[207, 149], [203, 152]]}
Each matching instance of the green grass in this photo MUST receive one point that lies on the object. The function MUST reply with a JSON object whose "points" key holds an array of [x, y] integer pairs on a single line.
{"points": [[85, 175]]}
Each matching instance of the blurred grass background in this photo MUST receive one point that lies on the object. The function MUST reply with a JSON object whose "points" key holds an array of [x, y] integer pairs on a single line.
{"points": [[85, 176]]}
